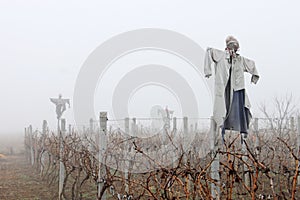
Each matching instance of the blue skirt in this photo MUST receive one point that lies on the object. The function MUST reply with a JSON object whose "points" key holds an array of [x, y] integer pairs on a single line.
{"points": [[238, 116]]}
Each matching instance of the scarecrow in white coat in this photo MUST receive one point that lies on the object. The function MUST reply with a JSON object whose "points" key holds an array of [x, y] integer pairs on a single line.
{"points": [[231, 103]]}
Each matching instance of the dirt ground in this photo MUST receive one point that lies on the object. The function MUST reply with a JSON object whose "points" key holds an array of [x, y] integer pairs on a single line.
{"points": [[19, 181]]}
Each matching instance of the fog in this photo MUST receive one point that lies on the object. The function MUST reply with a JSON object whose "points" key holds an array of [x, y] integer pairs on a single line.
{"points": [[43, 45]]}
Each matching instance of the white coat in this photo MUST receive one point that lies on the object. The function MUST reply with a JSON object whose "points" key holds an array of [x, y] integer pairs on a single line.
{"points": [[222, 65]]}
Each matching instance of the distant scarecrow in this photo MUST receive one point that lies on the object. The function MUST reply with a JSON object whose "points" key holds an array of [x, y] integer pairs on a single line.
{"points": [[60, 105], [231, 103]]}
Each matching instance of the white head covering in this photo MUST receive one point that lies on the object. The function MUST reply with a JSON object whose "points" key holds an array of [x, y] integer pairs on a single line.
{"points": [[230, 40]]}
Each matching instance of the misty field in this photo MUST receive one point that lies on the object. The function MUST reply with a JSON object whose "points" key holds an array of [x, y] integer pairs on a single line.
{"points": [[270, 157]]}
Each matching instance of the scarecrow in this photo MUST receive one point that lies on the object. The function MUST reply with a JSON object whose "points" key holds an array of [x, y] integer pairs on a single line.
{"points": [[231, 104]]}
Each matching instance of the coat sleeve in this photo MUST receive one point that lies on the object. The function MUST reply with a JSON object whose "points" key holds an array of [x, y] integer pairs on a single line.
{"points": [[212, 56], [208, 62], [249, 66]]}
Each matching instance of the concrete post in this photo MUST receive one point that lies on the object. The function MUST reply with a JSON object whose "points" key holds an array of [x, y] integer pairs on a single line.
{"points": [[257, 139], [185, 131], [174, 125], [102, 150], [246, 174], [42, 157], [27, 144], [298, 144], [127, 126], [215, 165], [133, 127], [31, 144], [61, 164], [292, 125], [91, 126], [126, 175]]}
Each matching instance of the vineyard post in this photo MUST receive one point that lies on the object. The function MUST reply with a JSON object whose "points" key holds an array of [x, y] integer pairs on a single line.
{"points": [[26, 142], [134, 127], [44, 132], [70, 129], [92, 131], [187, 154], [174, 125], [35, 148], [257, 139], [102, 149], [127, 125], [31, 144], [292, 122], [185, 130], [61, 164], [298, 144], [165, 138], [91, 126], [215, 165], [174, 134], [126, 155], [245, 168]]}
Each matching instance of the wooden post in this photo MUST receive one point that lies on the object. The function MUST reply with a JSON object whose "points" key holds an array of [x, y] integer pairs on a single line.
{"points": [[246, 174], [298, 144], [30, 134], [174, 134], [126, 176], [174, 125], [44, 132], [134, 130], [185, 131], [292, 125], [133, 127], [61, 164], [70, 129], [215, 165], [91, 133], [127, 125], [26, 143], [42, 157], [91, 126], [257, 139], [102, 150]]}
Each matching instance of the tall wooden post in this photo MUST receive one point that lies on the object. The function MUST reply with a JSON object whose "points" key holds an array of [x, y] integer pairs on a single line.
{"points": [[126, 156], [134, 130], [91, 133], [127, 125], [292, 124], [257, 138], [102, 150], [174, 125], [31, 144], [215, 165], [61, 164], [133, 127], [26, 143], [70, 129], [91, 126], [42, 157], [185, 131], [298, 144], [174, 132], [246, 174]]}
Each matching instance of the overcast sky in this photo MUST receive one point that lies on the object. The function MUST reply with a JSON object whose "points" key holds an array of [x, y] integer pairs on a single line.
{"points": [[43, 45]]}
